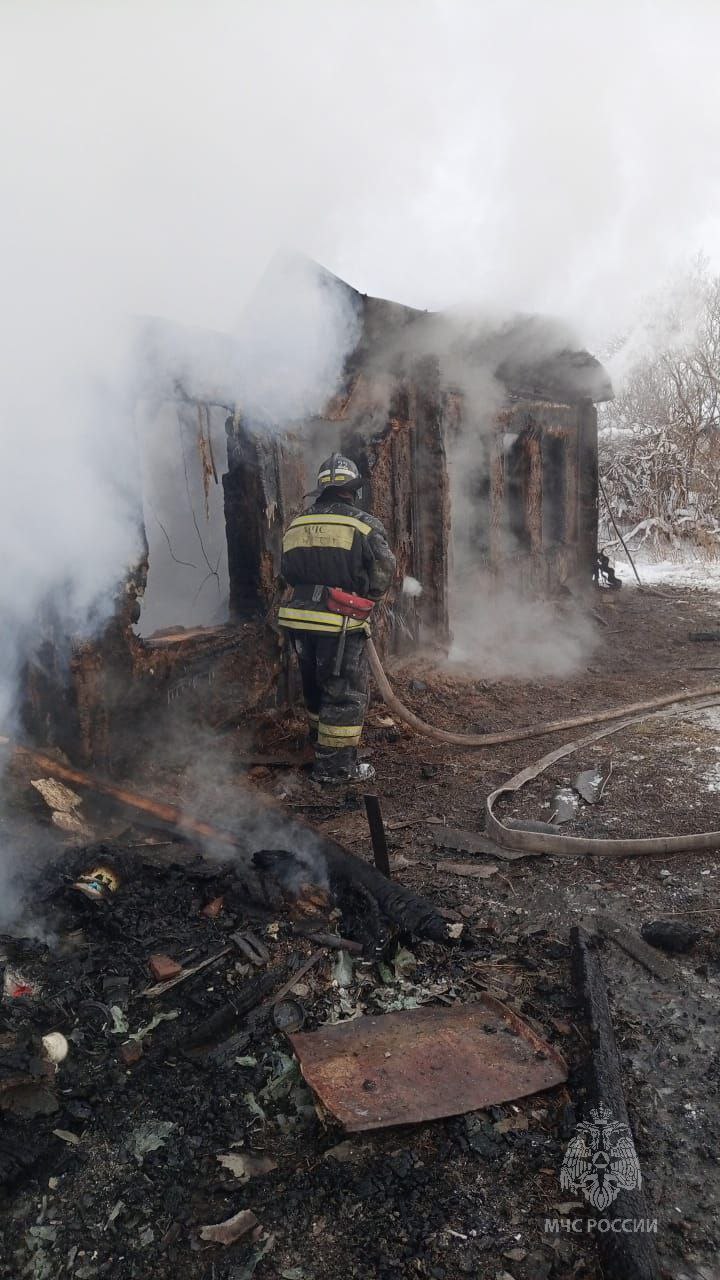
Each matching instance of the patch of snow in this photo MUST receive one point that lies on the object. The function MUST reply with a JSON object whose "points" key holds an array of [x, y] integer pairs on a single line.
{"points": [[712, 778], [700, 573], [710, 717]]}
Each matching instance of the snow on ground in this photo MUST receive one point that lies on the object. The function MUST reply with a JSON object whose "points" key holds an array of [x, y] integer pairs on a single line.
{"points": [[710, 716], [691, 572]]}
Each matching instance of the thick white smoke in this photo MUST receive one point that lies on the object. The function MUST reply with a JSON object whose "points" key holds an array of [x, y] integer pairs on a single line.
{"points": [[154, 158]]}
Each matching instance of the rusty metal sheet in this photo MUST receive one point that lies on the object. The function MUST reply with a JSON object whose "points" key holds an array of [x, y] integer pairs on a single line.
{"points": [[422, 1064]]}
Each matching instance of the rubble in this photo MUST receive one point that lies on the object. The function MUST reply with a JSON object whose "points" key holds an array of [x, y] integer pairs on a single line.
{"points": [[634, 946], [164, 967], [252, 947], [171, 973], [232, 1229], [130, 1052], [565, 806], [63, 804], [244, 1165], [670, 935], [211, 1069], [589, 785], [212, 909]]}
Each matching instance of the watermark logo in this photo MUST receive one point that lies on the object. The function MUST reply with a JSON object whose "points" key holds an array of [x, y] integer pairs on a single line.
{"points": [[600, 1160]]}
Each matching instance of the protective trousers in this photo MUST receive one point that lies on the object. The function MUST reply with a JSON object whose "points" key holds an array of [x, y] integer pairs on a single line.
{"points": [[335, 705]]}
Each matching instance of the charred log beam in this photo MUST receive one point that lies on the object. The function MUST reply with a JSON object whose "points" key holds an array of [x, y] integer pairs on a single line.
{"points": [[414, 914], [655, 964], [625, 1255], [333, 941], [227, 1019]]}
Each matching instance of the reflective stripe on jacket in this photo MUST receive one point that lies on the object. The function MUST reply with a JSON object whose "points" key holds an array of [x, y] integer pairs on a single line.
{"points": [[315, 618], [333, 545]]}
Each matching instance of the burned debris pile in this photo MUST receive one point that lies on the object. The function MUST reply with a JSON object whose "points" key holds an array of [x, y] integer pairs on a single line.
{"points": [[155, 1119]]}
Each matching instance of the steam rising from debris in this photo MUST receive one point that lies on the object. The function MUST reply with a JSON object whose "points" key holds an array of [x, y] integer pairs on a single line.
{"points": [[210, 785], [545, 158], [497, 632]]}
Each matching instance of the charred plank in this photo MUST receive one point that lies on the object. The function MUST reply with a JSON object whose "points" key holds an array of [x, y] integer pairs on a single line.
{"points": [[625, 1255]]}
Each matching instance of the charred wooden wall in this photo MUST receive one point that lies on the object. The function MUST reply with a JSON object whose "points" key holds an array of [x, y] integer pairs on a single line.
{"points": [[542, 495], [536, 526], [263, 488], [398, 437]]}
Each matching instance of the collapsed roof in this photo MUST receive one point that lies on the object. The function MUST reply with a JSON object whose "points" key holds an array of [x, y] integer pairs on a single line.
{"points": [[301, 316]]}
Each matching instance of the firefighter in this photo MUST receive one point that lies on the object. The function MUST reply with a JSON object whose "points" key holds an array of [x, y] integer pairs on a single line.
{"points": [[334, 545]]}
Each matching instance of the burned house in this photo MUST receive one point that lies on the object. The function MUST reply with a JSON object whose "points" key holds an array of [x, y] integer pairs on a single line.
{"points": [[478, 445]]}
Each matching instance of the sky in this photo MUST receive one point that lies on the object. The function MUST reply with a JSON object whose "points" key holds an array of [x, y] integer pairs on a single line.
{"points": [[536, 155], [533, 154]]}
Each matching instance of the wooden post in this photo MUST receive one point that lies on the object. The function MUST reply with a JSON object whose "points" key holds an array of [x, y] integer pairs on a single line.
{"points": [[631, 1255], [377, 834]]}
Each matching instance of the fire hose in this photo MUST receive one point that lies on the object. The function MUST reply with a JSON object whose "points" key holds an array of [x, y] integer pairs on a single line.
{"points": [[528, 841], [515, 838], [530, 731]]}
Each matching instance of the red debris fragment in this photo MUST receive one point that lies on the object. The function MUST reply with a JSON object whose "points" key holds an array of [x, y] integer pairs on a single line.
{"points": [[22, 989], [163, 968], [16, 985], [130, 1052]]}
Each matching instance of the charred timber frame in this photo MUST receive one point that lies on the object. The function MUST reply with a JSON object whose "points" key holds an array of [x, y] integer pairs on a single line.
{"points": [[89, 696], [547, 559]]}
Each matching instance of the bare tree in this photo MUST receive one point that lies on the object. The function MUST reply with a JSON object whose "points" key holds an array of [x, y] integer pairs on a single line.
{"points": [[660, 437]]}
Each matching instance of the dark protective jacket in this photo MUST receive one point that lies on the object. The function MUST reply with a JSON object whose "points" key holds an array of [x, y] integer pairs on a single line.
{"points": [[334, 544]]}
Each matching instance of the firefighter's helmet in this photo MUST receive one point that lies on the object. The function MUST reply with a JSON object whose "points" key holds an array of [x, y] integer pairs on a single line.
{"points": [[338, 472]]}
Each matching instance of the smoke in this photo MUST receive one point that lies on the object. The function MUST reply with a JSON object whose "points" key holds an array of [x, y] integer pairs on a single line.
{"points": [[293, 338], [499, 632], [548, 158], [69, 520], [211, 785]]}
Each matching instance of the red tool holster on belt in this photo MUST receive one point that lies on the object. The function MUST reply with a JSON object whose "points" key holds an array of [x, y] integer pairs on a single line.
{"points": [[350, 606]]}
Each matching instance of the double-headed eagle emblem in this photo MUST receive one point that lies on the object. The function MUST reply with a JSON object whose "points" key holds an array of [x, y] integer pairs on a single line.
{"points": [[600, 1160]]}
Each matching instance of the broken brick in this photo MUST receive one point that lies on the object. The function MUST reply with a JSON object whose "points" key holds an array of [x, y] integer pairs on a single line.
{"points": [[163, 968], [130, 1052]]}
